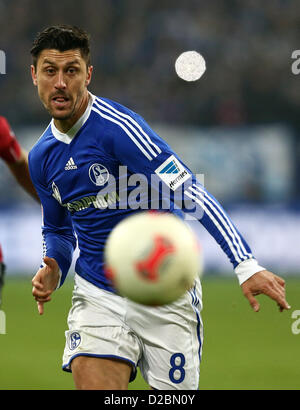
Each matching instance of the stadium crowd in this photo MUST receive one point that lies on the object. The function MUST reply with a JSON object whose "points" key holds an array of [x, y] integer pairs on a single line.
{"points": [[247, 46]]}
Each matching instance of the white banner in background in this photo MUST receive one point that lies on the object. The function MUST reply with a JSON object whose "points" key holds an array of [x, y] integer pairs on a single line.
{"points": [[273, 234]]}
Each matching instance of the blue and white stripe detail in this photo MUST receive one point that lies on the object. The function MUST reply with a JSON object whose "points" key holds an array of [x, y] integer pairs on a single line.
{"points": [[44, 250], [67, 367], [197, 306], [132, 128], [44, 244], [221, 222]]}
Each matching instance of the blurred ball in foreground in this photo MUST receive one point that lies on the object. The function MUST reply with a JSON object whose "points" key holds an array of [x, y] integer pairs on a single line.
{"points": [[152, 258], [190, 66]]}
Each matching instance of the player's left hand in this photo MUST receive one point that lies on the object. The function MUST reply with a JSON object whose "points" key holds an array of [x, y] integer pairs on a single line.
{"points": [[265, 282]]}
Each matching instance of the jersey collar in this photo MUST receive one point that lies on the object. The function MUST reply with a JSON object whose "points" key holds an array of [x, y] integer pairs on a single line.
{"points": [[68, 136]]}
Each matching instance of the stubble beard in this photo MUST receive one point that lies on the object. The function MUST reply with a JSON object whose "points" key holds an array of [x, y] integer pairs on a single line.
{"points": [[63, 116]]}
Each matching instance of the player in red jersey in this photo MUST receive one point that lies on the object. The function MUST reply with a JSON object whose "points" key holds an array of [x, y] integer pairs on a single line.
{"points": [[16, 159]]}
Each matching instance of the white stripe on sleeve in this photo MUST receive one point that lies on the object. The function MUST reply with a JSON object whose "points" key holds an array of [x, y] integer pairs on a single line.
{"points": [[153, 149], [131, 136], [216, 223], [225, 220]]}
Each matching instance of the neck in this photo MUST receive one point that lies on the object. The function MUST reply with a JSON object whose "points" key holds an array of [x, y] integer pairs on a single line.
{"points": [[65, 125]]}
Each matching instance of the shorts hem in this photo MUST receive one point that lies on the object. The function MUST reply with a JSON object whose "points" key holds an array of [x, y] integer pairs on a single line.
{"points": [[67, 367]]}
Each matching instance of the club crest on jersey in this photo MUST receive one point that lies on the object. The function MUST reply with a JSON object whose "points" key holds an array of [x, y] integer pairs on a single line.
{"points": [[98, 174], [74, 340]]}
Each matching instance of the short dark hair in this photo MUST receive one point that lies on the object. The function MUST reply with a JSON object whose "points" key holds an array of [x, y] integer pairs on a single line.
{"points": [[62, 37]]}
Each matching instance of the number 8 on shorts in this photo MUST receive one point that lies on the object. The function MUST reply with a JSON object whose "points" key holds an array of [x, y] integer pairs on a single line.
{"points": [[177, 372]]}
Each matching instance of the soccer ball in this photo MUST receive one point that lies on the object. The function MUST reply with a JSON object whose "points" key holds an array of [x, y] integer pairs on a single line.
{"points": [[152, 258]]}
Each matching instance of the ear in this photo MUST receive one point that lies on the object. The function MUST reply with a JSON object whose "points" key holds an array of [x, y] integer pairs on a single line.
{"points": [[33, 74], [89, 75]]}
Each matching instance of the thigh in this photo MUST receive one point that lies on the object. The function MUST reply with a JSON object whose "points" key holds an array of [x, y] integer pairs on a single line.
{"points": [[172, 338], [97, 330], [92, 373]]}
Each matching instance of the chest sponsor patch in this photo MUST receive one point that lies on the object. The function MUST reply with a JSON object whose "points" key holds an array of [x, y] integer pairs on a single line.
{"points": [[173, 173]]}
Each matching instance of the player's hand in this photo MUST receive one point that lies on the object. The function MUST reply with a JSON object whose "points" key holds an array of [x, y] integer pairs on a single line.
{"points": [[265, 282], [45, 282]]}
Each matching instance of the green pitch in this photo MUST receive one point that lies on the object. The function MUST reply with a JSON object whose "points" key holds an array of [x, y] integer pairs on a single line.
{"points": [[242, 349]]}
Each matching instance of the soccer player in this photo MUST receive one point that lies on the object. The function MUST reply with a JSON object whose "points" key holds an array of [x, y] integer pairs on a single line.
{"points": [[75, 167], [16, 159]]}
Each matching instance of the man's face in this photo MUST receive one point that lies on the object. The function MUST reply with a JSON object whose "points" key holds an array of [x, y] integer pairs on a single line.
{"points": [[62, 79]]}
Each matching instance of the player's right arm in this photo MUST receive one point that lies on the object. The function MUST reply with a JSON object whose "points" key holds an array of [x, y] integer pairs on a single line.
{"points": [[59, 241], [15, 157]]}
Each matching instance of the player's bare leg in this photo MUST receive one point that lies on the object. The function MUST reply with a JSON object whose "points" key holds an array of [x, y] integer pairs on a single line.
{"points": [[93, 373]]}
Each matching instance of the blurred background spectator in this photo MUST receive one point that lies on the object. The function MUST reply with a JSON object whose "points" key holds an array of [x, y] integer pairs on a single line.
{"points": [[247, 46]]}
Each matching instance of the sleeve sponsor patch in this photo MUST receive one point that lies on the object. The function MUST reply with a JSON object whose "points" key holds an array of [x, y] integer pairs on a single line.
{"points": [[173, 173]]}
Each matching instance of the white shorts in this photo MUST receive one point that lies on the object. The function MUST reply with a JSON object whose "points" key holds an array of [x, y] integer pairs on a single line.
{"points": [[165, 342]]}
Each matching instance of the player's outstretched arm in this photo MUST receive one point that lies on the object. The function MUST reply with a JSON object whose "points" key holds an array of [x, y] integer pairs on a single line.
{"points": [[45, 282], [267, 283], [154, 160], [15, 157]]}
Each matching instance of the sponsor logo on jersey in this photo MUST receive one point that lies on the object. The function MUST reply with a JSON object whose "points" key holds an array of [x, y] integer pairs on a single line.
{"points": [[56, 193], [173, 173], [98, 201], [102, 200], [98, 174], [70, 165]]}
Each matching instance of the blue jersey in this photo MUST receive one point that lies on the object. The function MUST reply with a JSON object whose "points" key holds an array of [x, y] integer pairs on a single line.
{"points": [[107, 166]]}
